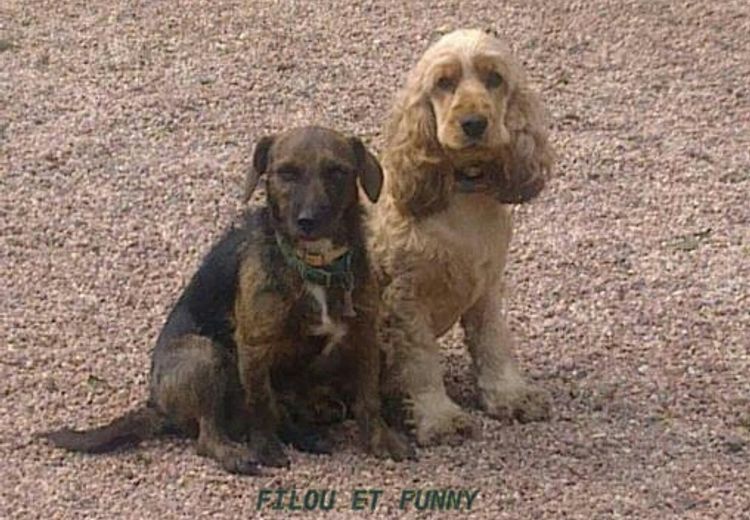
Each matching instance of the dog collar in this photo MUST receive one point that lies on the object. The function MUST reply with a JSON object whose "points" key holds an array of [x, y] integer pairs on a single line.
{"points": [[471, 180], [332, 269]]}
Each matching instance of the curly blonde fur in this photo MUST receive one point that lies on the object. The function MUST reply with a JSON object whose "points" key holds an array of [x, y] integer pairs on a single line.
{"points": [[466, 137], [424, 139]]}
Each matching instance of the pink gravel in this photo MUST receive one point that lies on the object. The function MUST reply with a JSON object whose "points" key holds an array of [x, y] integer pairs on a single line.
{"points": [[125, 131]]}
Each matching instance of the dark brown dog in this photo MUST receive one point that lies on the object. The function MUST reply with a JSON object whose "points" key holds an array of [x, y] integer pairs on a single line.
{"points": [[289, 287]]}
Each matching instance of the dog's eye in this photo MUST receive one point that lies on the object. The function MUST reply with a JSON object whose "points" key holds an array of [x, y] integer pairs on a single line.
{"points": [[493, 80], [446, 83]]}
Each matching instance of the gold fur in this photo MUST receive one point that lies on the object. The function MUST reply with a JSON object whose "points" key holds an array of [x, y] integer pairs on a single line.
{"points": [[441, 252]]}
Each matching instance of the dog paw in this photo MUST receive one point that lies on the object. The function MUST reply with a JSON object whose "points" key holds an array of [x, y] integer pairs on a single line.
{"points": [[446, 425], [233, 457], [270, 451], [313, 442], [241, 461], [388, 443], [525, 403]]}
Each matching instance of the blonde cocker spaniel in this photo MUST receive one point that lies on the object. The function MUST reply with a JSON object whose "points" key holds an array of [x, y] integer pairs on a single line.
{"points": [[467, 137]]}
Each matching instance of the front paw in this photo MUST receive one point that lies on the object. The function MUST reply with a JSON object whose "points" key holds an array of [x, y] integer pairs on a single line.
{"points": [[524, 403], [309, 440], [388, 443], [441, 421], [269, 450], [241, 461], [233, 457]]}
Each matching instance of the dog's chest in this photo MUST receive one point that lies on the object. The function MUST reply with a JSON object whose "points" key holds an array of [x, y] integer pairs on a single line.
{"points": [[474, 231], [471, 242], [323, 313]]}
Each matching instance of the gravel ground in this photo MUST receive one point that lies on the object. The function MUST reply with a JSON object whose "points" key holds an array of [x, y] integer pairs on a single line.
{"points": [[125, 129]]}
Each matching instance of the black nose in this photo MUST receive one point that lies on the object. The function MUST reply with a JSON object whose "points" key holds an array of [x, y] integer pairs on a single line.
{"points": [[307, 225], [474, 126]]}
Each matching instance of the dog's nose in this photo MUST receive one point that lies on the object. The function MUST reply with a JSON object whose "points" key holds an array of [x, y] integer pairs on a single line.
{"points": [[474, 125], [307, 225]]}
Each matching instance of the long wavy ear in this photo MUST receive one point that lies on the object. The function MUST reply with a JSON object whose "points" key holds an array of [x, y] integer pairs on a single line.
{"points": [[529, 158], [419, 179], [260, 164], [369, 172]]}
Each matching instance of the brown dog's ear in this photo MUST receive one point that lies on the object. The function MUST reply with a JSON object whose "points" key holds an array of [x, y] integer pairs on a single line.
{"points": [[260, 163], [422, 180], [369, 172], [529, 158]]}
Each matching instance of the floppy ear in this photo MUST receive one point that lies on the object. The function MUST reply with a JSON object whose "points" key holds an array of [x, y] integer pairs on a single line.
{"points": [[260, 163], [420, 180], [369, 172], [529, 157]]}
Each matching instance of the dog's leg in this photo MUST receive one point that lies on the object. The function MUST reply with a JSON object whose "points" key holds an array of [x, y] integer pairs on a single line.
{"points": [[434, 416], [380, 438], [260, 400], [189, 386], [504, 392], [306, 411]]}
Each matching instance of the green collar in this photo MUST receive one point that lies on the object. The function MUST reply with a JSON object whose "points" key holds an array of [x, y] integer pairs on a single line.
{"points": [[337, 273]]}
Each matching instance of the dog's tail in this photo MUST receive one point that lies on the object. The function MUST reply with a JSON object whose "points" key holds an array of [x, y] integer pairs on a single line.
{"points": [[126, 431]]}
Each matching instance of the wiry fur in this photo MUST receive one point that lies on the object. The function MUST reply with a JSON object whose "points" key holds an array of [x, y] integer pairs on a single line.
{"points": [[441, 252], [236, 361]]}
